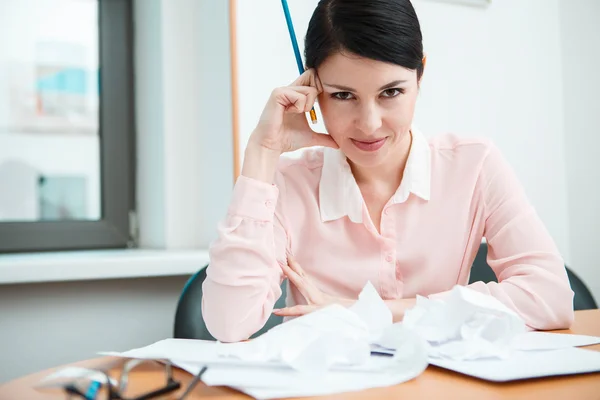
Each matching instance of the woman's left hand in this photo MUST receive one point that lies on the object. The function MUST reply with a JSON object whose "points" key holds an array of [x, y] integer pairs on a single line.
{"points": [[314, 296]]}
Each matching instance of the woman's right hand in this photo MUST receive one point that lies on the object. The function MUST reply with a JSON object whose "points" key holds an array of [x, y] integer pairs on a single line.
{"points": [[283, 126]]}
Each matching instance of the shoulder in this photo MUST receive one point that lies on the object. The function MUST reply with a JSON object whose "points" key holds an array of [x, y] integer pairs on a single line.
{"points": [[454, 151], [469, 162], [475, 160], [300, 171], [301, 161], [452, 144]]}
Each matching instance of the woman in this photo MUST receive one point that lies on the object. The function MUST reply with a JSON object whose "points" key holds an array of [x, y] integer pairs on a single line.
{"points": [[373, 200]]}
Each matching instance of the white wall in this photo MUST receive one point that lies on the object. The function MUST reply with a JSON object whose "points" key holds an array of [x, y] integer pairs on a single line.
{"points": [[45, 325], [184, 120], [580, 39]]}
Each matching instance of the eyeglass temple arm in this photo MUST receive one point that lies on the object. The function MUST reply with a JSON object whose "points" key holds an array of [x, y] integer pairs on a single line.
{"points": [[193, 383]]}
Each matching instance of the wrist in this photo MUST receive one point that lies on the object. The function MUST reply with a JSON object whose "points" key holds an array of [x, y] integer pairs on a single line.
{"points": [[345, 302], [399, 306], [260, 162], [338, 300]]}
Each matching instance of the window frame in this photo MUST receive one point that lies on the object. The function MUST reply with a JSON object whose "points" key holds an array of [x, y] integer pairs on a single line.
{"points": [[117, 152]]}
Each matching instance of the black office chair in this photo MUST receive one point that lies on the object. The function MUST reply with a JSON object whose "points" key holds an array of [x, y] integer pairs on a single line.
{"points": [[189, 323], [481, 271]]}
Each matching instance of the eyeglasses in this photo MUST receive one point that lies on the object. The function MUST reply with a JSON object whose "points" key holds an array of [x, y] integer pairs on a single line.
{"points": [[90, 390]]}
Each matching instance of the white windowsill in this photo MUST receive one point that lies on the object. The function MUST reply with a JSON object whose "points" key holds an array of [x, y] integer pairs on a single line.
{"points": [[98, 265]]}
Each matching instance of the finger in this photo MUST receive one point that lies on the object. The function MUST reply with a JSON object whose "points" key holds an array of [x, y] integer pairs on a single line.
{"points": [[306, 90], [310, 101], [295, 311], [306, 79], [311, 94], [318, 83], [322, 139], [291, 100], [293, 277], [295, 266], [298, 281]]}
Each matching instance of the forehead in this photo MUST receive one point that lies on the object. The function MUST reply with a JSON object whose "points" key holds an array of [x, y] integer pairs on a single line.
{"points": [[361, 73]]}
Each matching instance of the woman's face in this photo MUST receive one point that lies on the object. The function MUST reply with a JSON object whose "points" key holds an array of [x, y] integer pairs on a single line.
{"points": [[367, 107]]}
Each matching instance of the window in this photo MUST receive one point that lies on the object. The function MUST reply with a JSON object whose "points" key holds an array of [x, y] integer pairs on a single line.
{"points": [[66, 124]]}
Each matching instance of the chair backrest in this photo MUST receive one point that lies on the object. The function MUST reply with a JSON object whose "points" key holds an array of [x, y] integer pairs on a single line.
{"points": [[189, 323], [481, 271]]}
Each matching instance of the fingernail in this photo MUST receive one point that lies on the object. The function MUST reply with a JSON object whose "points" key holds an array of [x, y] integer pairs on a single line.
{"points": [[276, 309]]}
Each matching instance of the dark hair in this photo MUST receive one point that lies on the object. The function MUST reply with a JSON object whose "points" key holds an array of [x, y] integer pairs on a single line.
{"points": [[382, 30]]}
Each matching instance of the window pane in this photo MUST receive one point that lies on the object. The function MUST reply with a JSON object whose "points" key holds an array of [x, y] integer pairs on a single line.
{"points": [[49, 110]]}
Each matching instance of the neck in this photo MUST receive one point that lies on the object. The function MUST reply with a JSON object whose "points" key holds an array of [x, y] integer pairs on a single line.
{"points": [[389, 172]]}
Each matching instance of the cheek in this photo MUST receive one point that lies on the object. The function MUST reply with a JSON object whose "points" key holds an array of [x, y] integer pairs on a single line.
{"points": [[336, 118], [400, 114]]}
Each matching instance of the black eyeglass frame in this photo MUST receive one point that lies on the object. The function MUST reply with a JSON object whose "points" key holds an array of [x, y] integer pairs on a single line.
{"points": [[116, 393]]}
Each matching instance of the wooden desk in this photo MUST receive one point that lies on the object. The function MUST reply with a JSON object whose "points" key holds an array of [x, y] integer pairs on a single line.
{"points": [[434, 383]]}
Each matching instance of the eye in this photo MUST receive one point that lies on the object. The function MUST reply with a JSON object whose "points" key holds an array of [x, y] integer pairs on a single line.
{"points": [[342, 96], [389, 93]]}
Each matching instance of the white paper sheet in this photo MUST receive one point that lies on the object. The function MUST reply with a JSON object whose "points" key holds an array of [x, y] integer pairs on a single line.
{"points": [[373, 311], [531, 341], [272, 382], [551, 341], [466, 325], [186, 350], [527, 364]]}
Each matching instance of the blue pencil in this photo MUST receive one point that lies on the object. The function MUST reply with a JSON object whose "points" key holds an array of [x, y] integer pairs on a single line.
{"points": [[290, 25]]}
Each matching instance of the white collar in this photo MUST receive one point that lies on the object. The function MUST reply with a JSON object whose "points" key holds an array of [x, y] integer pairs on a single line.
{"points": [[339, 195]]}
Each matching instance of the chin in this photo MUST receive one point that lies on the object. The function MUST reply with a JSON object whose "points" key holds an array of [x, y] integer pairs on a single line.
{"points": [[366, 160]]}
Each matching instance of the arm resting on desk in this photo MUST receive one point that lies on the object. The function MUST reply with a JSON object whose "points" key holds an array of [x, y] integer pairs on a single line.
{"points": [[532, 278], [244, 276]]}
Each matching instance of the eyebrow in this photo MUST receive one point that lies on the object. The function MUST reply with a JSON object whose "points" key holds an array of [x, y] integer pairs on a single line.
{"points": [[349, 89]]}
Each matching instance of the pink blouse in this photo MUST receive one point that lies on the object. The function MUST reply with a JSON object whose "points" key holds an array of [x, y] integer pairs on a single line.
{"points": [[454, 192]]}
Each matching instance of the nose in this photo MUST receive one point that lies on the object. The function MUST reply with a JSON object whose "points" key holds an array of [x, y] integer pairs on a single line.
{"points": [[368, 119]]}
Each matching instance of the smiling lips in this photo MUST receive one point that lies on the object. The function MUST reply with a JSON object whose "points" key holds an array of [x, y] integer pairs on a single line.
{"points": [[370, 145]]}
